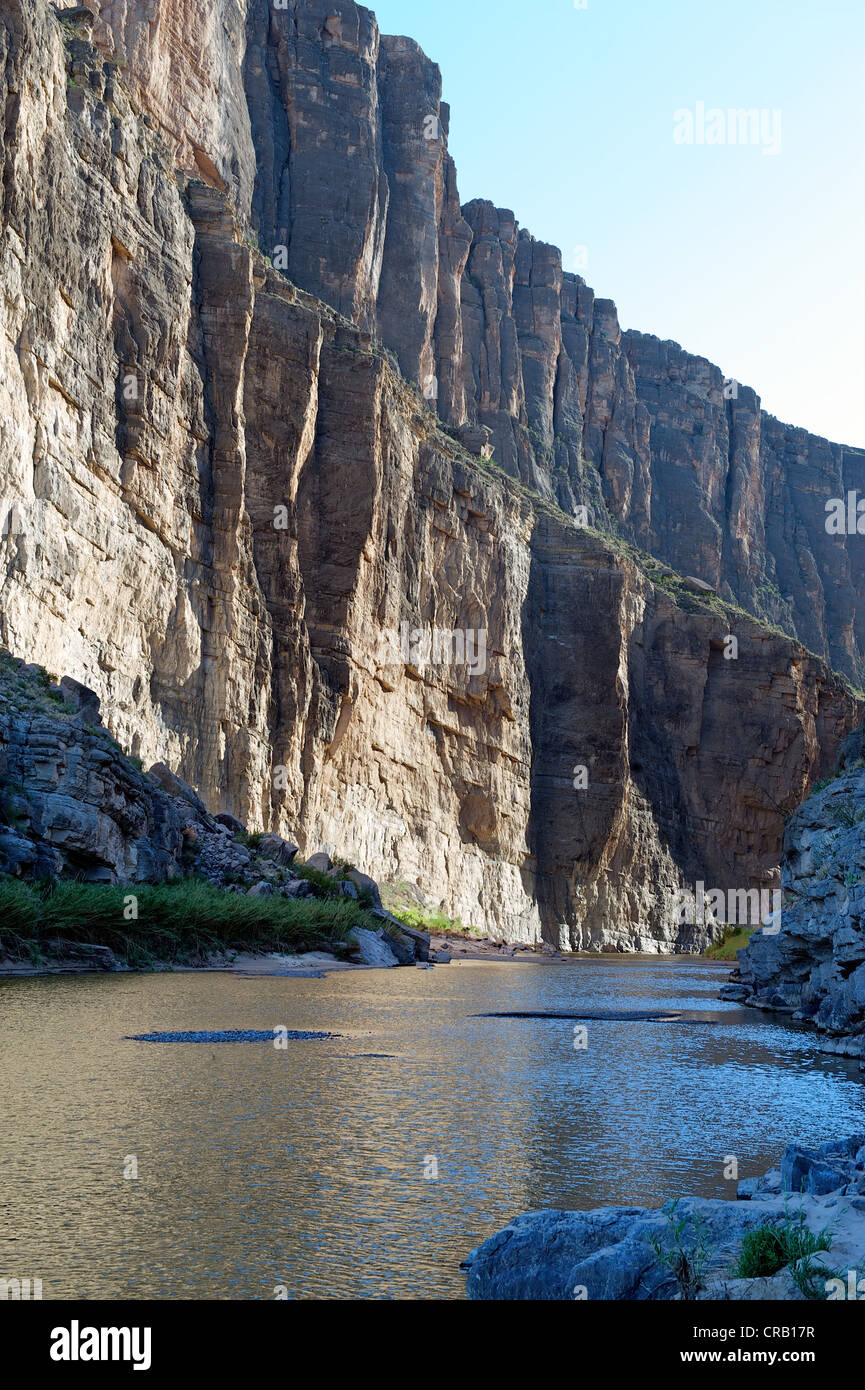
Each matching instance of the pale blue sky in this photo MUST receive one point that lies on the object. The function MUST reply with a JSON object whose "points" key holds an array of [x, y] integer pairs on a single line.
{"points": [[754, 261]]}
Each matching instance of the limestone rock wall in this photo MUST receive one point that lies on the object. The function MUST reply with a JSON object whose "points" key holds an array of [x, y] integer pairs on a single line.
{"points": [[331, 141], [183, 62], [219, 497]]}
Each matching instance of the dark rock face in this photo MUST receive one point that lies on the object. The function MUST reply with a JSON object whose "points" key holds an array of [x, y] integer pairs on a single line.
{"points": [[812, 963], [317, 126], [220, 500], [668, 794], [70, 802]]}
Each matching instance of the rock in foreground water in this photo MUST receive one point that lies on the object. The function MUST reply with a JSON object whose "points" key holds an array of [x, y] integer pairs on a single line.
{"points": [[612, 1253]]}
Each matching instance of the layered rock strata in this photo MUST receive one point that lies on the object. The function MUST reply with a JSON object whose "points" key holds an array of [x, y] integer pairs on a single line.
{"points": [[226, 511], [331, 141]]}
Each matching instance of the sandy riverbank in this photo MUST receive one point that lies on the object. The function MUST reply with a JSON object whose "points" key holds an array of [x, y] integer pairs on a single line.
{"points": [[308, 964]]}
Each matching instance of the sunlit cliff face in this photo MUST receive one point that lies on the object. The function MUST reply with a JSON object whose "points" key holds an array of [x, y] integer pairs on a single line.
{"points": [[219, 493]]}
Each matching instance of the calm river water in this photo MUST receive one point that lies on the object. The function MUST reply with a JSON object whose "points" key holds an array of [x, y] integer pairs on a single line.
{"points": [[305, 1167]]}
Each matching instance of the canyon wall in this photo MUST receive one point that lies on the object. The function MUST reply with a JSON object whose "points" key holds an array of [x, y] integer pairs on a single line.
{"points": [[225, 486], [811, 964], [338, 159]]}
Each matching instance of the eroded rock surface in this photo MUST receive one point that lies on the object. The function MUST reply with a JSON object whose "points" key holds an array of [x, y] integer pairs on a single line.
{"points": [[331, 142], [223, 506], [811, 962]]}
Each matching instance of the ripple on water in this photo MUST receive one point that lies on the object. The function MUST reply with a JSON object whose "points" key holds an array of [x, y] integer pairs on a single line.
{"points": [[338, 1177]]}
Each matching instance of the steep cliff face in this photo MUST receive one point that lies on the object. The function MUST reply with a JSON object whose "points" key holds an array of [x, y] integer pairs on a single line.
{"points": [[225, 509], [341, 164], [183, 63], [638, 691], [812, 962], [741, 499]]}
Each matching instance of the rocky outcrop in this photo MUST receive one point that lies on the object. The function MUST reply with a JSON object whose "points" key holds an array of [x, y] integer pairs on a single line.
{"points": [[690, 1248], [228, 513], [72, 806], [811, 961], [68, 802]]}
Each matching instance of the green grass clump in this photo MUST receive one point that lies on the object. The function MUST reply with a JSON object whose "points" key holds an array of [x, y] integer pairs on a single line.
{"points": [[183, 921], [407, 905], [328, 885], [733, 940], [435, 922], [19, 907], [768, 1248], [323, 885], [251, 839], [762, 1253]]}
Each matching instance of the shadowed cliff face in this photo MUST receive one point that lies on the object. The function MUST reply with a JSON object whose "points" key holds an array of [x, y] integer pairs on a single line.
{"points": [[226, 511], [811, 962]]}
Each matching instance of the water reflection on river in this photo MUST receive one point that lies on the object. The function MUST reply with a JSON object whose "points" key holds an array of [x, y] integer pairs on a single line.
{"points": [[305, 1167]]}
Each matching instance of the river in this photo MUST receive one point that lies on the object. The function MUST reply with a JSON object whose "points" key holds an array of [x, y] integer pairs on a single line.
{"points": [[308, 1169]]}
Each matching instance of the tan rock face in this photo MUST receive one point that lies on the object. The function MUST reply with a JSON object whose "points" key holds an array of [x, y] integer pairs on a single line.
{"points": [[226, 512], [332, 141], [184, 64]]}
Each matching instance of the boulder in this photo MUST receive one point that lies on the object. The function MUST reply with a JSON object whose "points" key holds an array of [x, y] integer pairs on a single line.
{"points": [[231, 823], [477, 439], [420, 940], [82, 953], [832, 1167], [297, 888], [16, 853], [610, 1253], [321, 861], [373, 948], [365, 884], [175, 787], [275, 848], [82, 700]]}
